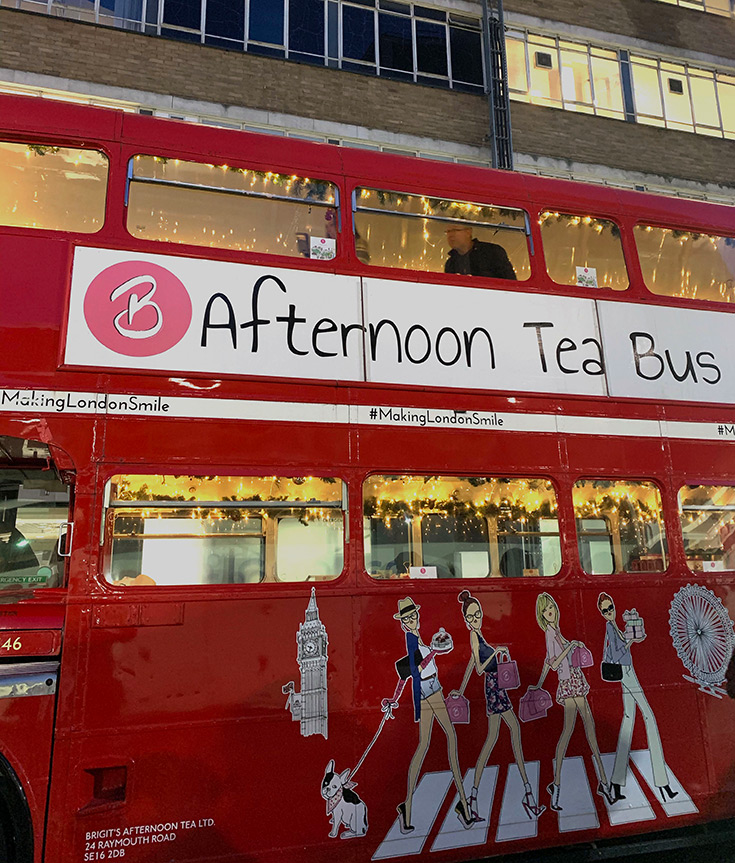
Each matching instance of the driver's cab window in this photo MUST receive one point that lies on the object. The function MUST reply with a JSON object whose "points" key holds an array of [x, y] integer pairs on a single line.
{"points": [[35, 528]]}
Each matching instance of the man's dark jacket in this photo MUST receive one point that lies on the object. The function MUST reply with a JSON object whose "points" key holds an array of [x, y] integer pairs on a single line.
{"points": [[486, 259]]}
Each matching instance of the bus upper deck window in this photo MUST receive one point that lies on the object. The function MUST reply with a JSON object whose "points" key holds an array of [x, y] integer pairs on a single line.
{"points": [[707, 514], [175, 530], [460, 527], [687, 264], [620, 526], [52, 188], [416, 232], [35, 531], [226, 207], [583, 251]]}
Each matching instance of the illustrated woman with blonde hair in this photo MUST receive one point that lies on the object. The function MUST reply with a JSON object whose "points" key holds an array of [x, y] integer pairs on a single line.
{"points": [[571, 693], [484, 659], [428, 704]]}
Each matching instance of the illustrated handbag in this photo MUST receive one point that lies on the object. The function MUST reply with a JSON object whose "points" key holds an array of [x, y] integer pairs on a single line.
{"points": [[508, 677], [611, 671], [534, 705], [581, 657], [403, 666], [458, 708]]}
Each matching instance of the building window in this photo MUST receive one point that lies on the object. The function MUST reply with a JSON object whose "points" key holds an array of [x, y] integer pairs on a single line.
{"points": [[620, 526], [687, 264], [173, 530], [412, 43], [52, 188], [418, 232], [432, 527], [225, 207], [716, 7]]}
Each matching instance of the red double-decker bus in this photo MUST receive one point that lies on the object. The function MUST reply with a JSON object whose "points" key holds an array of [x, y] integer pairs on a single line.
{"points": [[296, 444]]}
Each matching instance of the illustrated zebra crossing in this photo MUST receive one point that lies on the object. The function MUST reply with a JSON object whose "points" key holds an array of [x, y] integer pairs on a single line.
{"points": [[577, 799]]}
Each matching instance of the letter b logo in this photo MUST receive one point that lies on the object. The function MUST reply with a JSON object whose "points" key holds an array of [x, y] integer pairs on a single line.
{"points": [[137, 308]]}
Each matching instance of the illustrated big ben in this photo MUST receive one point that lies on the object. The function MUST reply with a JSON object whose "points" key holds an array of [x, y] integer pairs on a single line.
{"points": [[310, 706]]}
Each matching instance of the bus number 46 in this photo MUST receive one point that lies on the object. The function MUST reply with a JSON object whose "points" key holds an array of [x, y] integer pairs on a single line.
{"points": [[13, 644]]}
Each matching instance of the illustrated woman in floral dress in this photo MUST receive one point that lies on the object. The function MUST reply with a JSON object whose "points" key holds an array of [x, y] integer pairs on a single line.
{"points": [[571, 693], [484, 659]]}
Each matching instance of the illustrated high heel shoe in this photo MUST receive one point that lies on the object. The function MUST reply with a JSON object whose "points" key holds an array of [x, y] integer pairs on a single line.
{"points": [[554, 794], [403, 824], [533, 809], [668, 790], [466, 819], [605, 792], [472, 803], [617, 793]]}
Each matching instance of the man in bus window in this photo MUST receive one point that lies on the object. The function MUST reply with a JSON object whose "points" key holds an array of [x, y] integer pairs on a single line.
{"points": [[471, 257]]}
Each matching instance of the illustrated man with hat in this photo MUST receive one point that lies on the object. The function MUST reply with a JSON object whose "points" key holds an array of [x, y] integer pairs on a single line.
{"points": [[471, 257], [428, 705]]}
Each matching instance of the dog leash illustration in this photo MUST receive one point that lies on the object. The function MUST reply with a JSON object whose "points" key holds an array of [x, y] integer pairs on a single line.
{"points": [[387, 708]]}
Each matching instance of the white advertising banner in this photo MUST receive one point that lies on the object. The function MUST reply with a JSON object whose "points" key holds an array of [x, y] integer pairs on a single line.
{"points": [[188, 315]]}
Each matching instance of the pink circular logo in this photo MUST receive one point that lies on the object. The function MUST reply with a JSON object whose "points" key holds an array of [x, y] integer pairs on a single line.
{"points": [[137, 308]]}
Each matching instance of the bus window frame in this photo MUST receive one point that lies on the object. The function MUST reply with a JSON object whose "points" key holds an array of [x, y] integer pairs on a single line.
{"points": [[104, 539], [234, 159], [678, 484]]}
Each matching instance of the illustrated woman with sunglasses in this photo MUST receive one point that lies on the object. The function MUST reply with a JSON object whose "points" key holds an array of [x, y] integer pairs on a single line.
{"points": [[484, 659], [428, 705], [617, 651], [571, 693]]}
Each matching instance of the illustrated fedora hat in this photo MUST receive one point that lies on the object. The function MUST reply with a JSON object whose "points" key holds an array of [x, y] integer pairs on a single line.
{"points": [[405, 607]]}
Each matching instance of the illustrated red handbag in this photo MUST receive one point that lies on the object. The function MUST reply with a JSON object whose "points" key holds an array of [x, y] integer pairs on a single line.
{"points": [[458, 708], [534, 705], [581, 657], [508, 677]]}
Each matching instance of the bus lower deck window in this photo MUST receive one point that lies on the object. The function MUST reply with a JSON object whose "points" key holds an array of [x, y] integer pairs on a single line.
{"points": [[186, 530], [418, 232], [620, 526], [460, 527], [707, 514], [52, 188], [226, 207]]}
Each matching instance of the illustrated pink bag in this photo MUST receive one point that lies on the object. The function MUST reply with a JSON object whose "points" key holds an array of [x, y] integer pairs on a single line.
{"points": [[534, 705], [581, 657], [458, 708], [508, 677]]}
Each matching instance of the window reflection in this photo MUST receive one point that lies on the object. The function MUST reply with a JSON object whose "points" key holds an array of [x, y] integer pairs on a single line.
{"points": [[395, 229], [687, 264], [226, 207], [169, 530], [54, 188], [583, 251], [619, 526], [460, 527], [707, 514]]}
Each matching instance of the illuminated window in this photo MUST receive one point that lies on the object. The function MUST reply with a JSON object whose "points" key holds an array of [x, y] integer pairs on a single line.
{"points": [[460, 527], [687, 264], [232, 208], [169, 530], [583, 251], [54, 188], [716, 7], [620, 526], [414, 232], [707, 514], [34, 517]]}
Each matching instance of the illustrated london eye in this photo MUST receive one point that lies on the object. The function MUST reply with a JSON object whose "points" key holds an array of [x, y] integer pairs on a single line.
{"points": [[702, 633]]}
